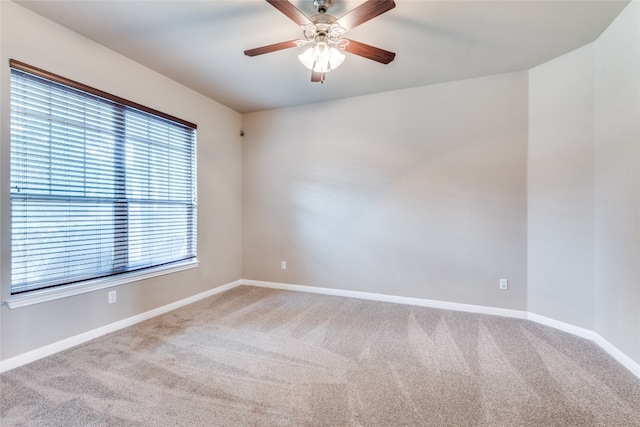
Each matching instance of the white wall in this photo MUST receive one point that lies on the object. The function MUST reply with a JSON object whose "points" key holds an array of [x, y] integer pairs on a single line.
{"points": [[560, 189], [30, 38], [584, 186], [417, 193], [617, 182]]}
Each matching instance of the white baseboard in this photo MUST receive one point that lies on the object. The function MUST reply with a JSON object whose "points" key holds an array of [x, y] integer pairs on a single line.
{"points": [[48, 350], [392, 298], [58, 346], [565, 327], [613, 351]]}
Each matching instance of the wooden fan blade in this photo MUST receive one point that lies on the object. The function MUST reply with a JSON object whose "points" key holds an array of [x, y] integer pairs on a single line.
{"points": [[369, 52], [365, 12], [290, 11], [271, 48], [317, 77]]}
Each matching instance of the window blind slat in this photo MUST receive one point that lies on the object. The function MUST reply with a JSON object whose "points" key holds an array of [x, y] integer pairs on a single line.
{"points": [[98, 187]]}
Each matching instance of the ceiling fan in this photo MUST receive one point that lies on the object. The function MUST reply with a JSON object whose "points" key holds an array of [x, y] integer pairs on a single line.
{"points": [[324, 33]]}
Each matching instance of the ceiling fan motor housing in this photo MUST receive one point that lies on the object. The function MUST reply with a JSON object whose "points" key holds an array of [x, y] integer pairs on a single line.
{"points": [[322, 6]]}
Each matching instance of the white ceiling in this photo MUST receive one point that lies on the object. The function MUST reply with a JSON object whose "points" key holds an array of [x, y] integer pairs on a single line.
{"points": [[201, 43]]}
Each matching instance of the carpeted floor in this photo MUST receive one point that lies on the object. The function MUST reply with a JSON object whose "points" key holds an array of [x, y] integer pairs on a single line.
{"points": [[262, 357]]}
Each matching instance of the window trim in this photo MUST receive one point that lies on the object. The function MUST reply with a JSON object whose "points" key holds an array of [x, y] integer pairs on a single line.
{"points": [[80, 86], [86, 286]]}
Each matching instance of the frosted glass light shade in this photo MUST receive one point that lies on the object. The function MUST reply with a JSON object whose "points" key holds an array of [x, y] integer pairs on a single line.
{"points": [[321, 58]]}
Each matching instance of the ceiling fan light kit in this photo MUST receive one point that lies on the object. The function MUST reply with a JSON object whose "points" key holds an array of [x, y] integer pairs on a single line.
{"points": [[321, 58], [324, 33]]}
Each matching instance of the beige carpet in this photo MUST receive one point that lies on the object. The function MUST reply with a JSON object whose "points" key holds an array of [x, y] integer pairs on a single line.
{"points": [[261, 357]]}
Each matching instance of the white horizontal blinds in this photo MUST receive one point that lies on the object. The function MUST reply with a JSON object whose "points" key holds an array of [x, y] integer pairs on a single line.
{"points": [[160, 183], [62, 182], [97, 187]]}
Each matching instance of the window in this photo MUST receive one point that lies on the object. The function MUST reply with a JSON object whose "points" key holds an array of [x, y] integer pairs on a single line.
{"points": [[100, 186]]}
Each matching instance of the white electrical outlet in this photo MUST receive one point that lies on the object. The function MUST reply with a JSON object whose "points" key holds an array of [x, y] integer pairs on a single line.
{"points": [[504, 284], [283, 265], [112, 297]]}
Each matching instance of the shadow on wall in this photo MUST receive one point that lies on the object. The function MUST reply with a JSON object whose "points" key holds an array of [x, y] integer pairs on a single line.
{"points": [[405, 221]]}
